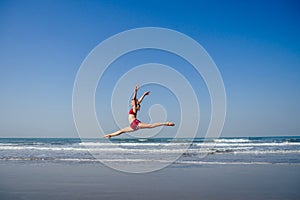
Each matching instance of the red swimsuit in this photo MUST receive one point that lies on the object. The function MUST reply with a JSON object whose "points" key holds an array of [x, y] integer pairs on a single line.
{"points": [[135, 123], [131, 112]]}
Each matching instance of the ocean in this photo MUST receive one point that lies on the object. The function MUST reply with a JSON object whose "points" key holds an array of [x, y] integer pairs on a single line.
{"points": [[179, 152]]}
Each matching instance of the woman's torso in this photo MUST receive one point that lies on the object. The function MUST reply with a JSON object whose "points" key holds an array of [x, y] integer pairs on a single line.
{"points": [[131, 115]]}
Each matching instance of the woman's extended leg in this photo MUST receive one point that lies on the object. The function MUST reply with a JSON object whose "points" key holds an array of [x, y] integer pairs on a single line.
{"points": [[144, 125], [119, 132]]}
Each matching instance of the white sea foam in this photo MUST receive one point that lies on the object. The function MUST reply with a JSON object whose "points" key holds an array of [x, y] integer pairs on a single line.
{"points": [[160, 150], [193, 144], [269, 152], [51, 148], [140, 161], [132, 144], [233, 163], [231, 140], [248, 144]]}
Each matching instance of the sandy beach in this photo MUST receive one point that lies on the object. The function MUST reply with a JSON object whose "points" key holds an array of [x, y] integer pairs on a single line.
{"points": [[21, 180]]}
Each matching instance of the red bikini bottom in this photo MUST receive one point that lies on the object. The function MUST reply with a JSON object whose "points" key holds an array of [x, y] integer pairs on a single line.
{"points": [[135, 124]]}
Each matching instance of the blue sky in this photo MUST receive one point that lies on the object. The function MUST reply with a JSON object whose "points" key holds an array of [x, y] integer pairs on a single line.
{"points": [[255, 45]]}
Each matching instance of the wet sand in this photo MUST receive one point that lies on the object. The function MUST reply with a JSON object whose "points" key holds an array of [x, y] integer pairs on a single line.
{"points": [[94, 181]]}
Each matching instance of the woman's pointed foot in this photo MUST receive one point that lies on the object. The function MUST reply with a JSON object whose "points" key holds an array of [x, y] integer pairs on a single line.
{"points": [[108, 136], [170, 124]]}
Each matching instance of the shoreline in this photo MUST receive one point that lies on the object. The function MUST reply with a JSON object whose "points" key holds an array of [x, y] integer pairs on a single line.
{"points": [[225, 137]]}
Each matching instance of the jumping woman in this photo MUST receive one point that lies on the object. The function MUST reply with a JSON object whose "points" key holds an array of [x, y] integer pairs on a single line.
{"points": [[136, 124]]}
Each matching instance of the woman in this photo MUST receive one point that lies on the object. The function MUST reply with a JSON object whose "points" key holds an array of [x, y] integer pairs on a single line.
{"points": [[136, 124]]}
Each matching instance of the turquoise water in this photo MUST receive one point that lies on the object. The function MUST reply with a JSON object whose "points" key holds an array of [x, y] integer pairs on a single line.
{"points": [[198, 151]]}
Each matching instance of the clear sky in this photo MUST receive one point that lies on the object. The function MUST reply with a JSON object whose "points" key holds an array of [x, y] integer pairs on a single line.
{"points": [[255, 44]]}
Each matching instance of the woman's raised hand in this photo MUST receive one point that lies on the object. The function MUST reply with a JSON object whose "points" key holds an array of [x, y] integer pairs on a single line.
{"points": [[146, 93], [136, 87]]}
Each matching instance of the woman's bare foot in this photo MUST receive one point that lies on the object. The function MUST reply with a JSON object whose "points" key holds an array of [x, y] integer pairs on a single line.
{"points": [[170, 124], [108, 136]]}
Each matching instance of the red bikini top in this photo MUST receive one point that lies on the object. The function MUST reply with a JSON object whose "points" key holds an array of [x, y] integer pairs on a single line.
{"points": [[131, 112]]}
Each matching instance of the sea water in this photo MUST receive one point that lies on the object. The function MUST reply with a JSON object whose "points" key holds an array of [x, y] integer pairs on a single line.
{"points": [[197, 151]]}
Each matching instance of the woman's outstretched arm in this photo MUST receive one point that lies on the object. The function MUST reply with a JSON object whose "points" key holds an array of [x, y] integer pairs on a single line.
{"points": [[142, 97], [134, 99], [135, 92]]}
